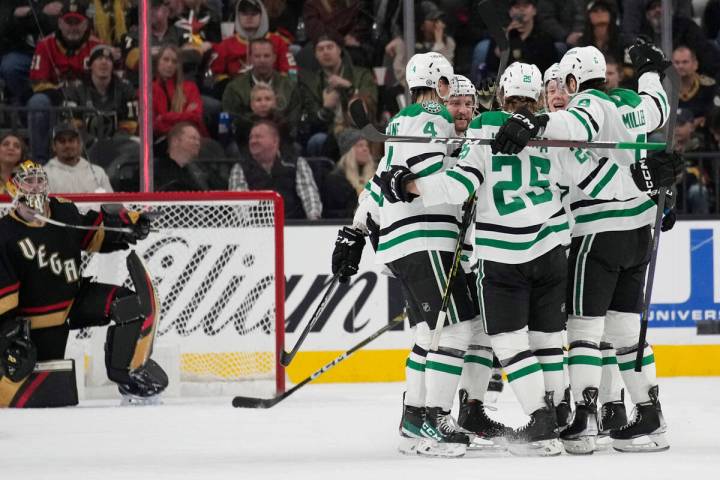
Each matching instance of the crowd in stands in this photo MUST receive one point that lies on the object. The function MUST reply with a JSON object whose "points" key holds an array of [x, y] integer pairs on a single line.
{"points": [[254, 94]]}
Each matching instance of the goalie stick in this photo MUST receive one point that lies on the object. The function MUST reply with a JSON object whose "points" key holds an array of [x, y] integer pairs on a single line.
{"points": [[286, 357], [252, 402], [672, 75]]}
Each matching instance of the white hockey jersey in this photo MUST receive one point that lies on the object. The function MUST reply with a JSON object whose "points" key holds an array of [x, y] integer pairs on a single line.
{"points": [[407, 228], [519, 213], [622, 116]]}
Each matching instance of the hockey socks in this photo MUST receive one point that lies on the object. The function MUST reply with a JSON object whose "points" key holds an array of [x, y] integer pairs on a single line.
{"points": [[611, 383], [525, 376], [477, 368], [637, 383], [442, 374], [547, 348], [415, 377], [585, 366]]}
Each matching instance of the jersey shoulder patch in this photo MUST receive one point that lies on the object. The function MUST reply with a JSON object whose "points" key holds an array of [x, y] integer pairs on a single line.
{"points": [[492, 118], [624, 97]]}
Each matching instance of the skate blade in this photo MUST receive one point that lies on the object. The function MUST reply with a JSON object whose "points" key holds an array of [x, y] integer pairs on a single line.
{"points": [[429, 447], [580, 446], [480, 446], [646, 443], [542, 448], [408, 446], [603, 443], [132, 401]]}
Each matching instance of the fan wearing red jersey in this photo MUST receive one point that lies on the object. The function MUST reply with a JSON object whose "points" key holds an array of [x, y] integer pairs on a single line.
{"points": [[43, 297]]}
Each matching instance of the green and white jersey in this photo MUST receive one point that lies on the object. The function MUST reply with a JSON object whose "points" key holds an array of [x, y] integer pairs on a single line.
{"points": [[407, 228], [519, 214], [621, 116]]}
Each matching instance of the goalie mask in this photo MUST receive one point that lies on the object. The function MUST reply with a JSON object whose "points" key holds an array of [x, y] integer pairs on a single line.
{"points": [[28, 184], [520, 80]]}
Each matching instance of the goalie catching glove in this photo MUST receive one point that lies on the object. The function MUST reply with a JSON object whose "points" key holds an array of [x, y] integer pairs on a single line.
{"points": [[517, 131], [346, 256], [139, 223], [393, 184], [658, 170]]}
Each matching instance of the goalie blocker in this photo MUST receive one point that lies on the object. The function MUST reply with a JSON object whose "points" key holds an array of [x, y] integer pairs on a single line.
{"points": [[50, 382]]}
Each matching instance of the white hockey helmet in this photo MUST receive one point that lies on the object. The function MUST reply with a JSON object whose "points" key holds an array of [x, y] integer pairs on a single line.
{"points": [[461, 86], [552, 73], [424, 70], [582, 63], [520, 80]]}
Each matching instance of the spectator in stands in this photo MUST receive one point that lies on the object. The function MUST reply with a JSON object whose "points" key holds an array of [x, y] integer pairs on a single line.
{"points": [[347, 20], [12, 152], [685, 32], [697, 90], [113, 100], [110, 20], [614, 74], [68, 171], [694, 191], [22, 23], [179, 170], [279, 89], [432, 35], [563, 20], [686, 139], [356, 163], [174, 98], [713, 124], [327, 92], [231, 55], [711, 21], [527, 43], [634, 16], [59, 62], [200, 27], [162, 29], [266, 167], [601, 29]]}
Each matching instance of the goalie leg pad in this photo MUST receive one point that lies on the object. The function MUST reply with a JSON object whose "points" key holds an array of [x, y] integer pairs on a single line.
{"points": [[51, 384]]}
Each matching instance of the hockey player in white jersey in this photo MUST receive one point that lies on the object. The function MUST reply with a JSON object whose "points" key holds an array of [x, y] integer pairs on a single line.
{"points": [[417, 245], [520, 231], [607, 282]]}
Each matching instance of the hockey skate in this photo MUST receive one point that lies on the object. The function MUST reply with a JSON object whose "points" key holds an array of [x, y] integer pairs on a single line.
{"points": [[612, 417], [646, 432], [410, 428], [442, 436], [563, 411], [145, 386], [579, 438], [495, 386], [538, 438], [486, 433]]}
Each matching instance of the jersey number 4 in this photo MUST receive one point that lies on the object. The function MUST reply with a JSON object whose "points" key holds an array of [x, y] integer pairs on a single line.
{"points": [[540, 187]]}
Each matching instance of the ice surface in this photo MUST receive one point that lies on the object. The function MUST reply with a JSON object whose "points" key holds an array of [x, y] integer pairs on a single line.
{"points": [[328, 431]]}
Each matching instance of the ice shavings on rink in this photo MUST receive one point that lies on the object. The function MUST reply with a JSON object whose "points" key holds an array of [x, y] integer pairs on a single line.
{"points": [[330, 431]]}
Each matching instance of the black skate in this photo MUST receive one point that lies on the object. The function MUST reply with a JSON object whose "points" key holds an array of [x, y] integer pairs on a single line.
{"points": [[410, 428], [473, 418], [646, 432], [539, 436], [495, 386], [613, 416], [145, 386], [579, 438], [442, 437], [563, 411]]}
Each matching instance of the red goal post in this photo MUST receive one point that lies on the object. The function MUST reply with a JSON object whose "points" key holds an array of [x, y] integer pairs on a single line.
{"points": [[216, 259]]}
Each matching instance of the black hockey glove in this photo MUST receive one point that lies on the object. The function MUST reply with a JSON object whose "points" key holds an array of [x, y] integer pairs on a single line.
{"points": [[486, 91], [660, 169], [393, 182], [18, 355], [517, 130], [646, 57], [668, 221], [348, 250], [139, 223], [373, 231]]}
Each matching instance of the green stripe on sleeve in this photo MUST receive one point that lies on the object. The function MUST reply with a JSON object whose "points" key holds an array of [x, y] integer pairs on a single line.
{"points": [[461, 178], [630, 212], [583, 122], [602, 183], [430, 169]]}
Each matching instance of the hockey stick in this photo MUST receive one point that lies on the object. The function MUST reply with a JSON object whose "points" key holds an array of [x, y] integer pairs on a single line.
{"points": [[467, 219], [493, 21], [286, 357], [252, 402], [58, 223], [672, 75]]}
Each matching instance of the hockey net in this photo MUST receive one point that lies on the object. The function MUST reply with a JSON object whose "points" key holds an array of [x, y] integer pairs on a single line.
{"points": [[215, 258]]}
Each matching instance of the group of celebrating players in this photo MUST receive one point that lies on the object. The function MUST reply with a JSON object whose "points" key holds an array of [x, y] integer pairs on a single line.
{"points": [[553, 261]]}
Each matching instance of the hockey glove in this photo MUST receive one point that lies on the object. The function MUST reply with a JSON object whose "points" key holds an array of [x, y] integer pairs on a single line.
{"points": [[139, 223], [517, 130], [659, 170], [646, 57], [348, 251], [373, 231], [486, 91], [18, 354], [668, 221], [393, 182]]}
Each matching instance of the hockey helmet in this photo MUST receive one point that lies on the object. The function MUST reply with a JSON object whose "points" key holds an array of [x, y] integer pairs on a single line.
{"points": [[424, 70], [28, 183], [552, 73], [520, 80], [583, 64], [461, 86]]}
